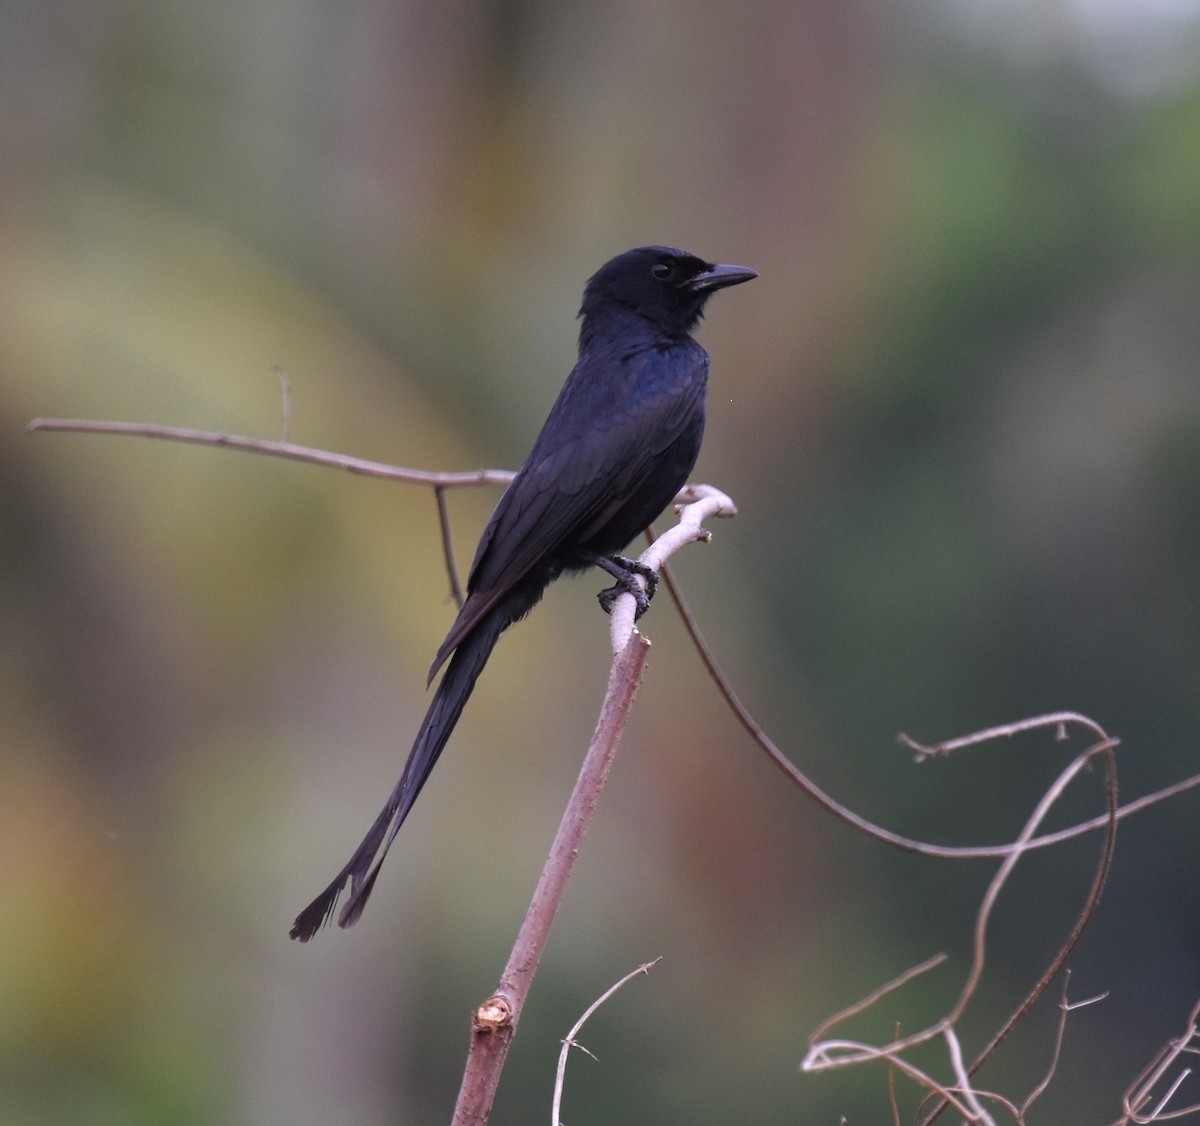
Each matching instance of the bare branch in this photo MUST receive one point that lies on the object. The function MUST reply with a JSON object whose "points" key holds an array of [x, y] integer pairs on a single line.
{"points": [[705, 502], [490, 1038], [964, 1080], [569, 1042], [1003, 731], [495, 1022], [1065, 1008], [893, 1100], [456, 590], [355, 465]]}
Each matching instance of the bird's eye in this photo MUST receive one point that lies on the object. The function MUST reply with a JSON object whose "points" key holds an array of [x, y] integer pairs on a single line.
{"points": [[664, 271]]}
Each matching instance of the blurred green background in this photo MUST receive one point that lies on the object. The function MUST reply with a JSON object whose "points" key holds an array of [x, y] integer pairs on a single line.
{"points": [[960, 413]]}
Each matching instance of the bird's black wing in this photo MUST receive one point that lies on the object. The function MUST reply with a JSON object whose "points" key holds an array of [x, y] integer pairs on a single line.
{"points": [[595, 452]]}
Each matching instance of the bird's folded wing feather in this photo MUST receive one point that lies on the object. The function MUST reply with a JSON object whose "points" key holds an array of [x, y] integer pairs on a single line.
{"points": [[562, 490]]}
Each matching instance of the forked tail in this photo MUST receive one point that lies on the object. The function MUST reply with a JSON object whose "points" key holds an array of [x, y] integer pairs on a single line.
{"points": [[447, 705]]}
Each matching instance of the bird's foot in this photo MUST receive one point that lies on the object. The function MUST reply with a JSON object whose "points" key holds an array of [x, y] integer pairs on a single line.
{"points": [[626, 572]]}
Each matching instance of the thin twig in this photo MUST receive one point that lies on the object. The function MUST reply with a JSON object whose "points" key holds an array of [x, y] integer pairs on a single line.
{"points": [[893, 1100], [1065, 1008], [1061, 720], [954, 1050], [275, 449], [1090, 904], [456, 590], [1159, 1114], [1140, 1091], [569, 1042], [845, 1053], [874, 998], [1092, 901], [1010, 862], [831, 805], [892, 1103]]}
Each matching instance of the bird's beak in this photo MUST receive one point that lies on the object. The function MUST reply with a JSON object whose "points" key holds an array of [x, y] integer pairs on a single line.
{"points": [[718, 277]]}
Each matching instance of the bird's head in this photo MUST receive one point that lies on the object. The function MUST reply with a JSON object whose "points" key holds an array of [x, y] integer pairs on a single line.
{"points": [[665, 286]]}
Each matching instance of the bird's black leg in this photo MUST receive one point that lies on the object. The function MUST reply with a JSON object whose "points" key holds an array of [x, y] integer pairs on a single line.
{"points": [[625, 571]]}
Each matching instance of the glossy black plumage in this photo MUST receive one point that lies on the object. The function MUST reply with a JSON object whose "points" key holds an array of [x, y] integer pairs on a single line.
{"points": [[618, 445]]}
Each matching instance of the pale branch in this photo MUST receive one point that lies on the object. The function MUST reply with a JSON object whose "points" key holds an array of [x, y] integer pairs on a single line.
{"points": [[569, 1041], [494, 1022], [702, 502], [963, 1086]]}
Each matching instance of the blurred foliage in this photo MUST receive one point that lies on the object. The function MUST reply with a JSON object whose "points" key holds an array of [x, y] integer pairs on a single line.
{"points": [[959, 412]]}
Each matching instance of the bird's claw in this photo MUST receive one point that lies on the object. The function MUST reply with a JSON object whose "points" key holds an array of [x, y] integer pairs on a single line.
{"points": [[626, 572]]}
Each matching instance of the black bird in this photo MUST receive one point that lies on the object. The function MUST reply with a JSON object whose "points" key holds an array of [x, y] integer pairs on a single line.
{"points": [[618, 445]]}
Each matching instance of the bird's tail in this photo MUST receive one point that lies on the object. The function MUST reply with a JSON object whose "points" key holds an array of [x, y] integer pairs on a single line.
{"points": [[447, 705]]}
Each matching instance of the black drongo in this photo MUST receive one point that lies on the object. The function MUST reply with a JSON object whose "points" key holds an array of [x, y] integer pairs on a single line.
{"points": [[618, 445]]}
